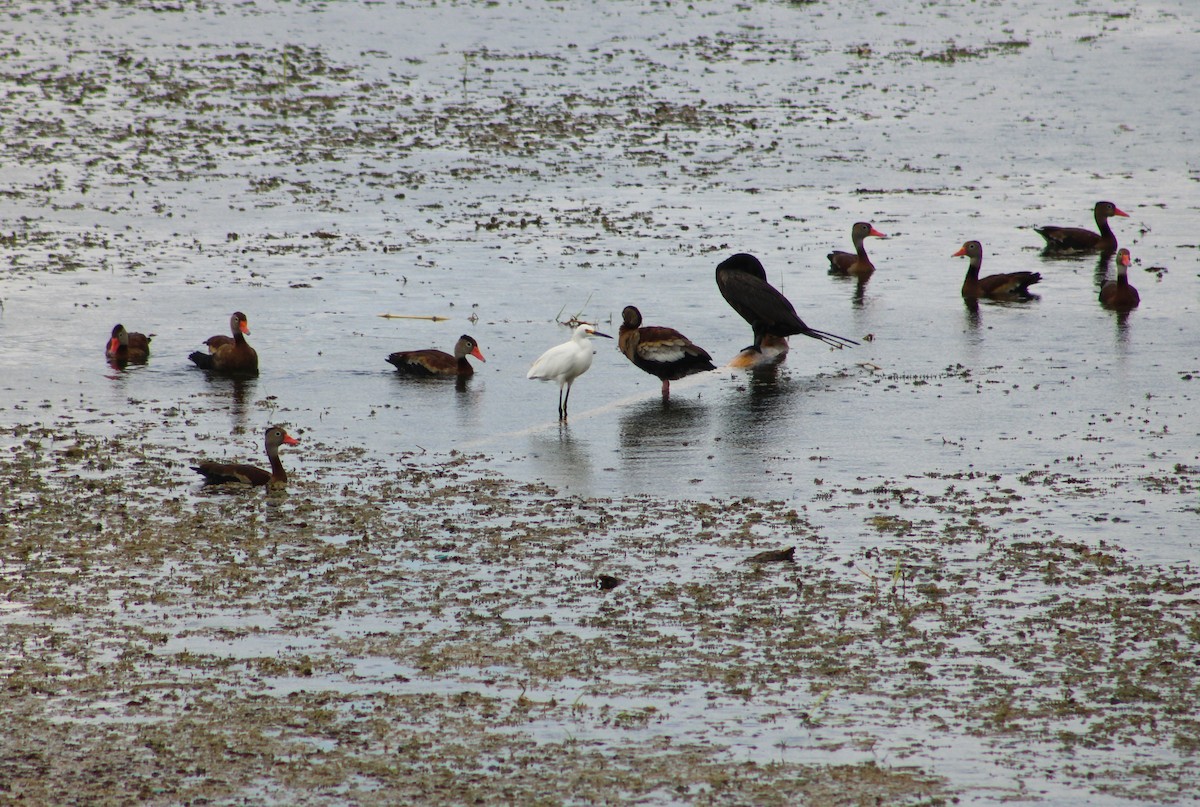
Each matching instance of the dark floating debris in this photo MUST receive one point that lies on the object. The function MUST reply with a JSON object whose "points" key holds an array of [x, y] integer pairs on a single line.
{"points": [[606, 582], [774, 556]]}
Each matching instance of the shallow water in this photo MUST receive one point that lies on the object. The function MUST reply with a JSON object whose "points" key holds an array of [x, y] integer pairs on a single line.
{"points": [[647, 145], [507, 165]]}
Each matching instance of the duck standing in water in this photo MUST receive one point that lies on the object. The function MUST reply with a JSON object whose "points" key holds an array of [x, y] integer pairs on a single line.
{"points": [[661, 352]]}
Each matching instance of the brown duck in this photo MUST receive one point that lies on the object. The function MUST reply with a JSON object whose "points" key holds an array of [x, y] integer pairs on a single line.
{"points": [[856, 263], [1077, 239], [1119, 295], [229, 354], [438, 362], [216, 473], [661, 352], [1011, 286], [124, 346]]}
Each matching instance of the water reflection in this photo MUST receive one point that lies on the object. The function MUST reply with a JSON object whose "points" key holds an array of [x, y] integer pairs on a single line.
{"points": [[563, 460], [773, 401], [117, 372], [240, 390], [407, 383], [652, 426], [858, 299], [1102, 266], [466, 400], [1123, 341], [973, 318]]}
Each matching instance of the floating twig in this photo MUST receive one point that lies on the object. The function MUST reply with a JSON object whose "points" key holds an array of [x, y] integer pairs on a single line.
{"points": [[433, 318], [574, 321]]}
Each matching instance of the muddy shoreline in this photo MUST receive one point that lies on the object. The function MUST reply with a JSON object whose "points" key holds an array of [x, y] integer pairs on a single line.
{"points": [[435, 632], [992, 596]]}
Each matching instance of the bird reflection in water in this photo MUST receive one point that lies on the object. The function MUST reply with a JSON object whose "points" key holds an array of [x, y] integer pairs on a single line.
{"points": [[240, 390], [468, 394], [1123, 333], [653, 429], [1103, 264], [771, 411], [562, 459], [973, 318], [858, 298]]}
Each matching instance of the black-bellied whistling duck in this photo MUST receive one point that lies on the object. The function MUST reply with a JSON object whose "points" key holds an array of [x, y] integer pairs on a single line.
{"points": [[856, 263], [124, 346], [237, 324], [438, 362], [1077, 239], [1119, 295], [1014, 285], [229, 354], [743, 283], [771, 352], [566, 362], [661, 352], [216, 473]]}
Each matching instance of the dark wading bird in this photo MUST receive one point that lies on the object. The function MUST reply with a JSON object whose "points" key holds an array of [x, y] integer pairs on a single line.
{"points": [[1077, 239], [216, 473], [1119, 295], [124, 346], [229, 354], [743, 283], [566, 362], [661, 352], [438, 362], [856, 263], [1011, 286]]}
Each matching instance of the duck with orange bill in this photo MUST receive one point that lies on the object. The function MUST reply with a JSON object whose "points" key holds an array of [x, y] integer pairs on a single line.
{"points": [[1119, 294], [125, 346], [856, 263], [229, 354], [1079, 239], [1008, 286], [438, 363], [217, 473]]}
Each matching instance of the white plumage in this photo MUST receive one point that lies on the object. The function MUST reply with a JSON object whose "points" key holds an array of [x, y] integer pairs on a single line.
{"points": [[566, 362]]}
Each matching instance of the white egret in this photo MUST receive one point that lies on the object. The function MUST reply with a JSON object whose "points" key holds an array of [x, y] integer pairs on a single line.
{"points": [[566, 362]]}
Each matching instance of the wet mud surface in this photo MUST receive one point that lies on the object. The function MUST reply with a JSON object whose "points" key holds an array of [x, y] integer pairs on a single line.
{"points": [[433, 632], [993, 591]]}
